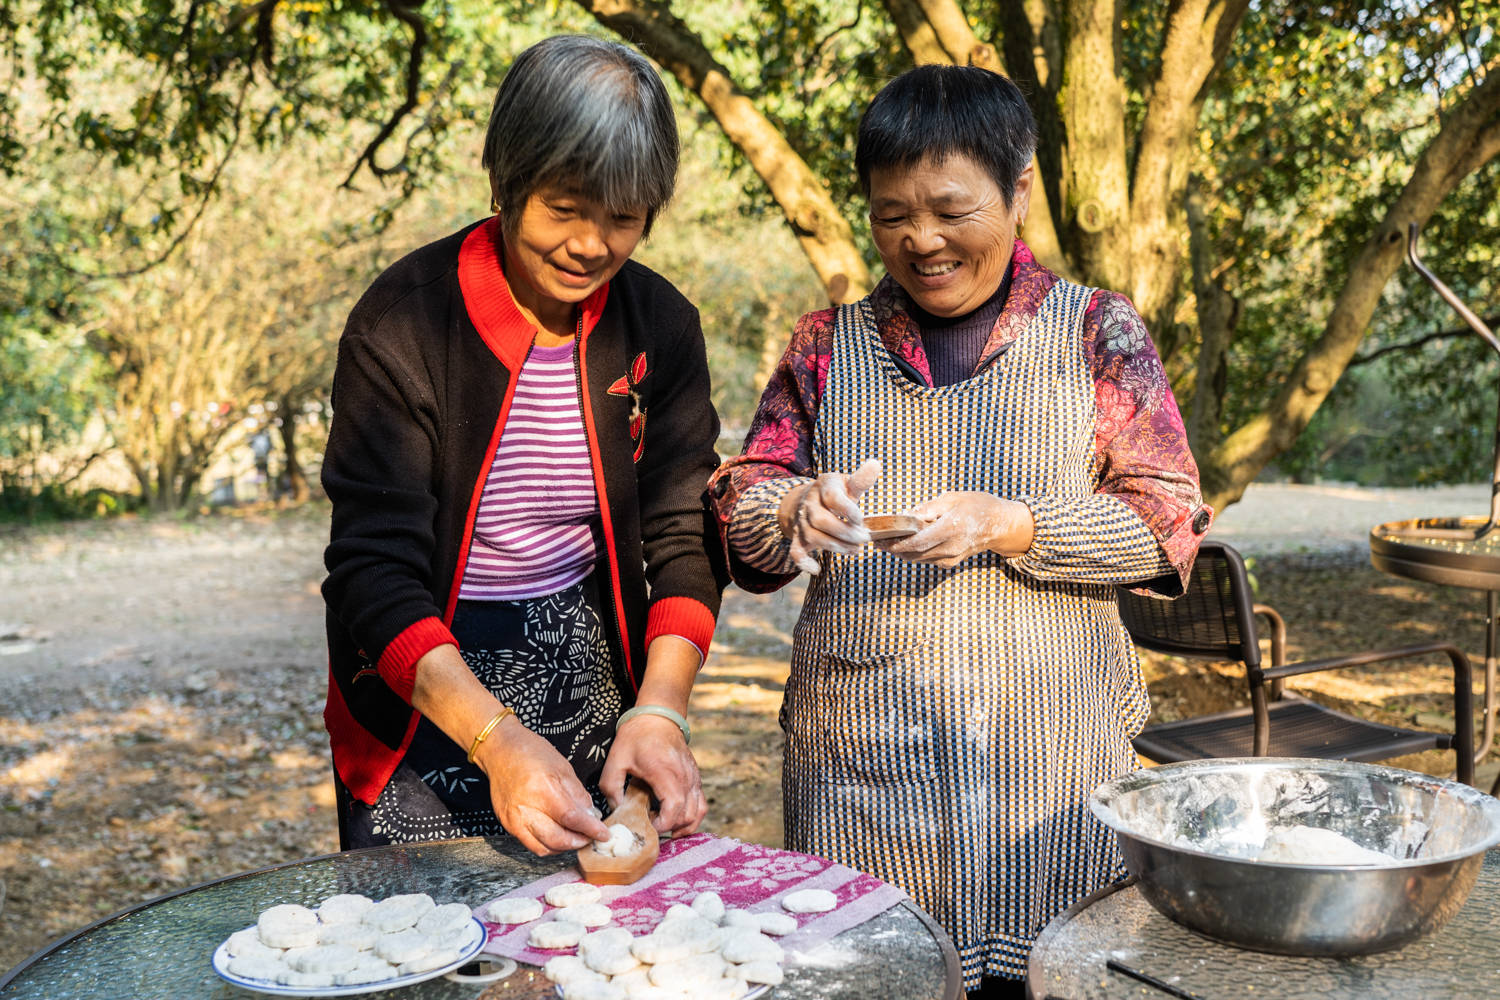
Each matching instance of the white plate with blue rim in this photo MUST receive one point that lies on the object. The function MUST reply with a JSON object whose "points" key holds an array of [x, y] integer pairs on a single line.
{"points": [[472, 947]]}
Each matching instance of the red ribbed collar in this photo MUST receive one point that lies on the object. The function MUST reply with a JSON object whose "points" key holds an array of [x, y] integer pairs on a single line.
{"points": [[487, 297]]}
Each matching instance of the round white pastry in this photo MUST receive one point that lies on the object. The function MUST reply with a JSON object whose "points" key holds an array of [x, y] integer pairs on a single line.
{"points": [[602, 990], [769, 973], [693, 930], [689, 974], [360, 937], [654, 948], [344, 908], [608, 952], [636, 979], [396, 913], [608, 939], [432, 960], [809, 901], [573, 893], [553, 934], [587, 914], [648, 991], [369, 970], [726, 988], [514, 911], [306, 980], [776, 923], [248, 942], [709, 906], [444, 918], [739, 918], [404, 946], [288, 926], [751, 946], [257, 967], [565, 969], [325, 958]]}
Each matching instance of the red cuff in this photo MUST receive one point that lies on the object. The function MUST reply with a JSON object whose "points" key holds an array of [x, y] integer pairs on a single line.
{"points": [[398, 664], [681, 616]]}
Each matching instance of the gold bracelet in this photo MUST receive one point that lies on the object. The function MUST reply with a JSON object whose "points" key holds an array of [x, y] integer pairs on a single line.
{"points": [[488, 728]]}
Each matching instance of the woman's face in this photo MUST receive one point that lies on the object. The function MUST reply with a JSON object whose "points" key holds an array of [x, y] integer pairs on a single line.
{"points": [[564, 247], [944, 231]]}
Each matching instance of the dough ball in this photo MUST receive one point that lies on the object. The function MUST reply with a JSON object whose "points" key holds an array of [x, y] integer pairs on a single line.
{"points": [[344, 908], [653, 948], [769, 973], [809, 901], [397, 913], [679, 910], [709, 906], [690, 974], [551, 935], [622, 842], [776, 923], [751, 946], [432, 960], [573, 893], [247, 942], [514, 911], [565, 969], [404, 946], [360, 937], [256, 967], [288, 926], [325, 958], [587, 914], [739, 918]]}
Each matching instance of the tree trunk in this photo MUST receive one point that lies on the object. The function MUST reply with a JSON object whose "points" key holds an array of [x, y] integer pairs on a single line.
{"points": [[824, 235], [296, 476], [1468, 139], [1218, 314]]}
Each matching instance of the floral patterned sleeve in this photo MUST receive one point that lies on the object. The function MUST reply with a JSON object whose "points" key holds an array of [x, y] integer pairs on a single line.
{"points": [[1147, 514], [747, 490]]}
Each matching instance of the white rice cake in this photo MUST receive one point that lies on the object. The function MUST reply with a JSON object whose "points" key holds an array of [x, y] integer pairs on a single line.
{"points": [[809, 901], [573, 893], [514, 911], [288, 926]]}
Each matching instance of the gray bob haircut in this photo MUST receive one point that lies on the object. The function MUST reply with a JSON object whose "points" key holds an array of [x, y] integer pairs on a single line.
{"points": [[587, 114]]}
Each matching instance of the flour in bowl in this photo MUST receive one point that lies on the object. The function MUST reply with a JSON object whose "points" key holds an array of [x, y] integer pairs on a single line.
{"points": [[1311, 845]]}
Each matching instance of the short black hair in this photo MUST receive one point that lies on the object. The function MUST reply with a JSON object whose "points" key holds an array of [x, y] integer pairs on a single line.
{"points": [[938, 111]]}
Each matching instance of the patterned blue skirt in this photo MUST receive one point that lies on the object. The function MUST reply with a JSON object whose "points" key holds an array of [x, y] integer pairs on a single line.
{"points": [[546, 657]]}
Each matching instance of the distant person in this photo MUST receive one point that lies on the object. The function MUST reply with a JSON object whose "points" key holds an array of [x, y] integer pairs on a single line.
{"points": [[955, 695], [260, 447], [522, 575]]}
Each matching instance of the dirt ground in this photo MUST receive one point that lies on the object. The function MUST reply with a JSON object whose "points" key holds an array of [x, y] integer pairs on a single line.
{"points": [[164, 683]]}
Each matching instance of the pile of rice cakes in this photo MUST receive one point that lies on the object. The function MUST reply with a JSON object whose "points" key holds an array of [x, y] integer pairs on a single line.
{"points": [[350, 940]]}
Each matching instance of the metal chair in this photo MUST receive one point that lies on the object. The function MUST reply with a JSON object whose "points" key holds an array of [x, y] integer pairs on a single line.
{"points": [[1216, 619]]}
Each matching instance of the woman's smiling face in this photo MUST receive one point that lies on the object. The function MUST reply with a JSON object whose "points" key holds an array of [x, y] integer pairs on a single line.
{"points": [[944, 230]]}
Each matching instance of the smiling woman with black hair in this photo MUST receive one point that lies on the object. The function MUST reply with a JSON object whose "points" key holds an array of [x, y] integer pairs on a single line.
{"points": [[520, 582], [956, 694]]}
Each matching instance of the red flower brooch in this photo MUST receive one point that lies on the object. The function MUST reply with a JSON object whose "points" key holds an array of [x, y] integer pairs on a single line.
{"points": [[629, 385]]}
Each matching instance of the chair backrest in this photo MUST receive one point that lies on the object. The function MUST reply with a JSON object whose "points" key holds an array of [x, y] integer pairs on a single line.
{"points": [[1214, 618]]}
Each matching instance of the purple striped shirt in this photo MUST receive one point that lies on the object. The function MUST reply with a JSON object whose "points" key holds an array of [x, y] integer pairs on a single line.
{"points": [[533, 532]]}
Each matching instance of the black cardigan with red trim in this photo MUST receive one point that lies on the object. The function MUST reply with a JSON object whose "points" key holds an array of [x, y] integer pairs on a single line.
{"points": [[421, 390]]}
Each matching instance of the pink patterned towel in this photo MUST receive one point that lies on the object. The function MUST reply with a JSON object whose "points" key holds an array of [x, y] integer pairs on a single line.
{"points": [[747, 876]]}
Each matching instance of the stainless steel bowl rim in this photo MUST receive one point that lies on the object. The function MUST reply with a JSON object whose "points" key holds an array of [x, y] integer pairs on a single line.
{"points": [[1100, 803]]}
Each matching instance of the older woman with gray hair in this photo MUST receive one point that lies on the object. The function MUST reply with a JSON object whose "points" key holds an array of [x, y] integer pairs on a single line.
{"points": [[957, 691], [521, 585]]}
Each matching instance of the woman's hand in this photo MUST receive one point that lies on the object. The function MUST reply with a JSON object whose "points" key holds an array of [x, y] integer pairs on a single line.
{"points": [[652, 749], [535, 793], [964, 523], [824, 515]]}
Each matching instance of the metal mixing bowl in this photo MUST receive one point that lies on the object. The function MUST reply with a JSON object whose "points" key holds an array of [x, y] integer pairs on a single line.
{"points": [[1189, 833]]}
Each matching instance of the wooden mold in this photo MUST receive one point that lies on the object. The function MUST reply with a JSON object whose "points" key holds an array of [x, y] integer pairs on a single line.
{"points": [[893, 525], [634, 812]]}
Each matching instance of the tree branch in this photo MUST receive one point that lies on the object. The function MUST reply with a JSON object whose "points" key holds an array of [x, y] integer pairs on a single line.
{"points": [[1469, 137], [1411, 345], [404, 11]]}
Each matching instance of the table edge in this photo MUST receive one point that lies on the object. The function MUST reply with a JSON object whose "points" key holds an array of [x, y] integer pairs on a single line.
{"points": [[1035, 974]]}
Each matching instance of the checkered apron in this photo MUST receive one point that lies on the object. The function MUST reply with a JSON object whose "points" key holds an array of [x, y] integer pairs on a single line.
{"points": [[946, 726]]}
